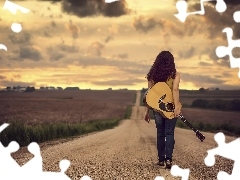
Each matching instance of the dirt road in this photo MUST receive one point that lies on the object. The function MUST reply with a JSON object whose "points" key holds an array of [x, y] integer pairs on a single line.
{"points": [[129, 152]]}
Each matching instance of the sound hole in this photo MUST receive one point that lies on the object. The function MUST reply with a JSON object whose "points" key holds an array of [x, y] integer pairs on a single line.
{"points": [[170, 106]]}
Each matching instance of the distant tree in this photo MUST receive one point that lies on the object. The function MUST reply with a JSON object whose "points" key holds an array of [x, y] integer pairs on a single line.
{"points": [[59, 88], [217, 89], [202, 89], [42, 88], [144, 90], [8, 88], [30, 89], [72, 88]]}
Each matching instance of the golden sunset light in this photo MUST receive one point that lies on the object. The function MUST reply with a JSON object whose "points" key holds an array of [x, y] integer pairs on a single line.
{"points": [[65, 44]]}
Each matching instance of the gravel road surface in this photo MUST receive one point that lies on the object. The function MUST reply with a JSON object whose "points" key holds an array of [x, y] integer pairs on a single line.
{"points": [[129, 152]]}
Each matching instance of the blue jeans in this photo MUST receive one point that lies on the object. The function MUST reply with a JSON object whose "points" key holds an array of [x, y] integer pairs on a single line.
{"points": [[165, 129]]}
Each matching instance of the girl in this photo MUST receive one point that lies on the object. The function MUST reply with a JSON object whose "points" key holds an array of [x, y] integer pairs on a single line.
{"points": [[163, 70]]}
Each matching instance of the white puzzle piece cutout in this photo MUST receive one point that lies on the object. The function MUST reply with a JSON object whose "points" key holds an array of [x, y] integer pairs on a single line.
{"points": [[182, 6], [10, 169], [228, 150], [177, 171], [12, 7], [222, 51], [16, 27], [110, 1]]}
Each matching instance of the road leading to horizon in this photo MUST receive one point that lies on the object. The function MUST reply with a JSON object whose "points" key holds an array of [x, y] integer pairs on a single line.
{"points": [[129, 152]]}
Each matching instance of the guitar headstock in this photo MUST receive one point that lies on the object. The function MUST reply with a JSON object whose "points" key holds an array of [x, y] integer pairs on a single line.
{"points": [[200, 136]]}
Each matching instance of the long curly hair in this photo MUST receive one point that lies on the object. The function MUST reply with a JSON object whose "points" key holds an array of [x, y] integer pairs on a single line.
{"points": [[162, 68]]}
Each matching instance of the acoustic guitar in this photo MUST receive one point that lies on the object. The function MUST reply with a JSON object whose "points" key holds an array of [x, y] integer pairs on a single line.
{"points": [[160, 99]]}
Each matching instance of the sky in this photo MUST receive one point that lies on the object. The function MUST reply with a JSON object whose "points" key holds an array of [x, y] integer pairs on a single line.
{"points": [[91, 44]]}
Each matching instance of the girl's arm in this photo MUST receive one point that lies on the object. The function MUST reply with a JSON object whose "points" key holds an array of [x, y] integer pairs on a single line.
{"points": [[175, 91], [150, 84]]}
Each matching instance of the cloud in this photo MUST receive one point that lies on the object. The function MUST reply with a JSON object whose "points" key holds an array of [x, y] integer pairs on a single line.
{"points": [[20, 38], [63, 48], [201, 80], [73, 28], [187, 53], [55, 55], [96, 48], [53, 24], [59, 51], [145, 24], [167, 28], [213, 21], [210, 51], [30, 52], [85, 8], [108, 38], [204, 64], [2, 77], [122, 55], [47, 34], [117, 82], [130, 67], [6, 83]]}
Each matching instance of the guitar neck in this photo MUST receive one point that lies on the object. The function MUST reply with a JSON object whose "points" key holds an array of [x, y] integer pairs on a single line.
{"points": [[198, 134], [187, 123]]}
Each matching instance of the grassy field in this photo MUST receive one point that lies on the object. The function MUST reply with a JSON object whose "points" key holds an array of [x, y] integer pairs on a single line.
{"points": [[49, 115]]}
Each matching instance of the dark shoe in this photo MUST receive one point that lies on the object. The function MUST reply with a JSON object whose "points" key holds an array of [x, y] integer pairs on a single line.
{"points": [[168, 164], [160, 163]]}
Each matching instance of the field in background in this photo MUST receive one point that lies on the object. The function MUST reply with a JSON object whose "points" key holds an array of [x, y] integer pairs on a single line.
{"points": [[42, 116], [187, 96], [208, 116], [64, 106]]}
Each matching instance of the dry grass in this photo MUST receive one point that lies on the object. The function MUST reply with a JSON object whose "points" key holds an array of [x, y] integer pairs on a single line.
{"points": [[187, 97], [213, 117], [64, 106]]}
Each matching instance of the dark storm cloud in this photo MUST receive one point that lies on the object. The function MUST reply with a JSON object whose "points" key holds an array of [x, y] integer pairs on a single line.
{"points": [[85, 8]]}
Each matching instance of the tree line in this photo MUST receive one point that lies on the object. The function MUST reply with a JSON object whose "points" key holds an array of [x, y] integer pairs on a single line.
{"points": [[218, 104]]}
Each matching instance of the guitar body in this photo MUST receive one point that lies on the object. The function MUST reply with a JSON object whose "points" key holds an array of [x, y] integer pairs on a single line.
{"points": [[159, 98]]}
